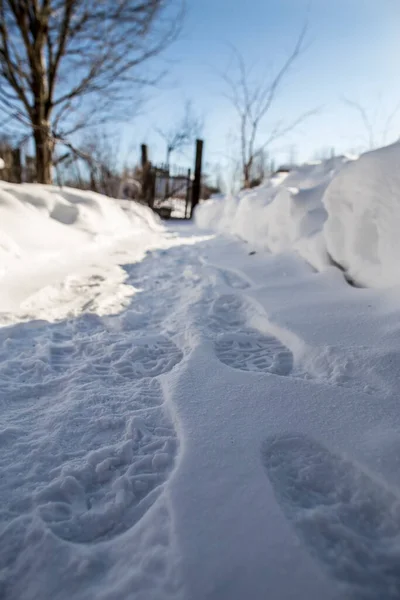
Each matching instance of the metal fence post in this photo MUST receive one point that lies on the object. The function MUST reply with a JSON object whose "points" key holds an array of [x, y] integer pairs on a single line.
{"points": [[147, 177], [188, 190], [197, 176]]}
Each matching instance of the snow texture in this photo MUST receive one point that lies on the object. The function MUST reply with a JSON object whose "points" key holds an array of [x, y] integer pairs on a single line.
{"points": [[184, 417], [339, 211], [56, 235], [284, 213], [364, 214]]}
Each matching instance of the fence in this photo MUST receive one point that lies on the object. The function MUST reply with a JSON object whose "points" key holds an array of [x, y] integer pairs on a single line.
{"points": [[15, 165], [169, 190], [11, 164]]}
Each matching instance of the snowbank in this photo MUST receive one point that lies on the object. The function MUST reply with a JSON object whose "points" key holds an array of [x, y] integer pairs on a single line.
{"points": [[362, 229], [286, 212], [42, 222], [339, 210]]}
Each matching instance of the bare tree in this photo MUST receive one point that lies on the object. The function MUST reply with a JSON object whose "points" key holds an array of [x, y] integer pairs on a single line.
{"points": [[253, 101], [100, 153], [93, 165], [376, 123], [219, 183], [58, 56], [262, 167], [324, 153], [182, 133]]}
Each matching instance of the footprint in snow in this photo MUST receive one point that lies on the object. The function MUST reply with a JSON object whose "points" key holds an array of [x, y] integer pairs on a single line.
{"points": [[254, 352], [348, 521], [138, 358], [61, 355], [227, 313], [108, 490], [233, 280]]}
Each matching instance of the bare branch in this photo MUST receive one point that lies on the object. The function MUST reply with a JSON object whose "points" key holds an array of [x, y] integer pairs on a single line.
{"points": [[183, 133], [280, 130], [389, 122], [57, 55], [364, 118], [253, 101], [376, 122]]}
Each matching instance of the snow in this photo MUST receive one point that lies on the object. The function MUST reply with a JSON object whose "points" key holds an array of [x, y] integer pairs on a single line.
{"points": [[364, 211], [339, 211], [284, 213], [55, 235], [177, 206], [188, 416]]}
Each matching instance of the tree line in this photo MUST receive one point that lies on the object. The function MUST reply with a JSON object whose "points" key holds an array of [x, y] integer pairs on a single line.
{"points": [[66, 65]]}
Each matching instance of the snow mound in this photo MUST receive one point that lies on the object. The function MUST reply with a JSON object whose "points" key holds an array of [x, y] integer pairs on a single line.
{"points": [[342, 211], [362, 229], [40, 222], [286, 212]]}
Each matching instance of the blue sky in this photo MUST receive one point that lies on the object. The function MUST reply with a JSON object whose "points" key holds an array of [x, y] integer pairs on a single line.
{"points": [[353, 51]]}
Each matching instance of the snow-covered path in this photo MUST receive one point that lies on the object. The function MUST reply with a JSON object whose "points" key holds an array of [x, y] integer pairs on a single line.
{"points": [[232, 433]]}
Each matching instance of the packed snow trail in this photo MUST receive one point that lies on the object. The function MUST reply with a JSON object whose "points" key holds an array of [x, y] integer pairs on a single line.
{"points": [[232, 432]]}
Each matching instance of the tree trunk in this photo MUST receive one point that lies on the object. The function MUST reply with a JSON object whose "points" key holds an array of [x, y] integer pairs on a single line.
{"points": [[246, 176], [43, 153]]}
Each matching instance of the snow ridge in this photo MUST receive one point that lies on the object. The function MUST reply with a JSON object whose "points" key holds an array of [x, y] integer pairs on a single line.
{"points": [[339, 211]]}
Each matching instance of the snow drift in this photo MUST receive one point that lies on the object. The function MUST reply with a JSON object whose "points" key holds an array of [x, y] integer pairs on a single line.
{"points": [[362, 230], [339, 210], [61, 251], [286, 212], [41, 222]]}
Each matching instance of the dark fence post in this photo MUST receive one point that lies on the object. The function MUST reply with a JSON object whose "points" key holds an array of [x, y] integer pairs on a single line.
{"points": [[16, 171], [151, 194], [188, 190], [167, 185], [197, 176], [144, 160], [148, 177], [7, 172]]}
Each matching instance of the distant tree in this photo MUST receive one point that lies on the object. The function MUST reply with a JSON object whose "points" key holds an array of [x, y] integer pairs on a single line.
{"points": [[6, 149], [261, 168], [253, 100], [60, 58], [183, 133], [376, 123], [219, 183], [11, 155], [95, 164], [99, 153], [324, 153], [292, 156]]}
